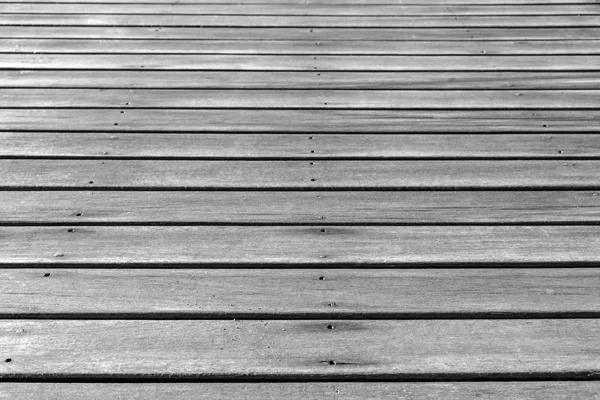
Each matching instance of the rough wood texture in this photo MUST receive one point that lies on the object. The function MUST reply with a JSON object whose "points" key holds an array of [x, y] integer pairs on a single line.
{"points": [[313, 293], [257, 246], [301, 391], [281, 99], [298, 80], [331, 146], [232, 62], [356, 174], [317, 121], [307, 349], [169, 33], [82, 46], [362, 207]]}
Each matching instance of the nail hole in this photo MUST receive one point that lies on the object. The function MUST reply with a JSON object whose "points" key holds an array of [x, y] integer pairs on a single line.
{"points": [[312, 151], [122, 112], [311, 137], [323, 230], [91, 182], [115, 124], [8, 360], [560, 152], [545, 126], [69, 230], [321, 278], [78, 214], [312, 163], [47, 274], [313, 180], [330, 327], [332, 362]]}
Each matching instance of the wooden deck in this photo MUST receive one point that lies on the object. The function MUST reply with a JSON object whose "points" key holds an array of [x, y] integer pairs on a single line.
{"points": [[275, 199]]}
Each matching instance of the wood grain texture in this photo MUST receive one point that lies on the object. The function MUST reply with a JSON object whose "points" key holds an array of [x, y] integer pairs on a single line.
{"points": [[298, 146], [282, 99], [299, 8], [168, 33], [303, 349], [94, 46], [363, 207], [230, 62], [323, 2], [300, 391], [304, 121], [294, 293], [298, 80], [259, 246], [205, 175], [282, 21]]}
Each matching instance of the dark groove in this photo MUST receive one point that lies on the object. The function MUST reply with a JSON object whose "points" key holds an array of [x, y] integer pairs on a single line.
{"points": [[293, 108], [576, 375], [571, 26], [278, 316], [302, 158], [29, 68], [152, 53], [304, 265], [446, 16], [535, 39], [67, 223], [299, 132]]}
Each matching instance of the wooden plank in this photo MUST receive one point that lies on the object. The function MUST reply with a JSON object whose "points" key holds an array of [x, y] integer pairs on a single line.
{"points": [[231, 62], [298, 80], [94, 46], [317, 293], [169, 33], [300, 391], [255, 350], [282, 99], [356, 174], [387, 208], [280, 21], [303, 9], [317, 121], [325, 2], [298, 146], [260, 246]]}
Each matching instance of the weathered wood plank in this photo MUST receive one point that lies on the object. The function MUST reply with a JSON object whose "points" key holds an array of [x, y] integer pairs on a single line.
{"points": [[299, 8], [307, 293], [299, 146], [231, 62], [290, 47], [318, 121], [356, 174], [211, 246], [281, 99], [417, 3], [282, 21], [168, 33], [478, 207], [301, 391], [300, 349], [298, 80]]}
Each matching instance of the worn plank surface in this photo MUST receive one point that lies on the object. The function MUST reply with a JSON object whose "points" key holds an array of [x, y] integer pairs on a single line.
{"points": [[298, 146], [368, 246], [313, 390], [356, 174], [291, 120], [312, 293], [308, 349], [277, 99], [272, 207], [233, 62]]}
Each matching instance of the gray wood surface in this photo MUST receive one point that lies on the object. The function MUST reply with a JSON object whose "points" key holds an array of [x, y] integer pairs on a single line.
{"points": [[307, 348], [314, 121], [298, 146], [272, 207], [301, 391], [299, 80], [465, 34], [299, 8], [154, 46], [393, 175], [267, 21], [258, 246], [312, 293], [232, 62], [279, 99]]}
